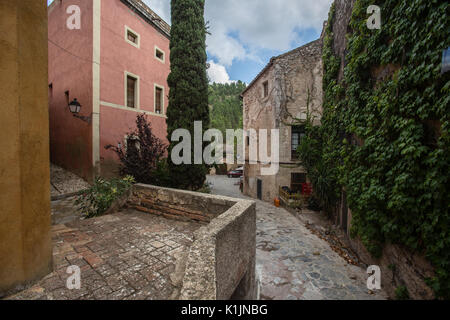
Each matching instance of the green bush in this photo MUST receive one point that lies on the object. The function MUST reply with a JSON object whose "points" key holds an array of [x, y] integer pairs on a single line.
{"points": [[206, 188], [98, 199]]}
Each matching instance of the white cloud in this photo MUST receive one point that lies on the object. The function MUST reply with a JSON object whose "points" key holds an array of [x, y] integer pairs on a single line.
{"points": [[254, 24], [218, 73], [161, 7], [260, 24]]}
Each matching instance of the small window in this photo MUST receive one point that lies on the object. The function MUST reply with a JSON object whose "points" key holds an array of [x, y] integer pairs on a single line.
{"points": [[50, 90], [131, 92], [266, 89], [298, 132], [297, 180], [159, 99], [132, 37], [159, 54]]}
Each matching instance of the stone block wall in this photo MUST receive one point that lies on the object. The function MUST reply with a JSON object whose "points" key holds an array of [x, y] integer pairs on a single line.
{"points": [[221, 261], [177, 204]]}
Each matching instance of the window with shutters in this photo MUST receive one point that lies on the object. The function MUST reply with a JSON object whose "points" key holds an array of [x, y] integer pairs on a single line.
{"points": [[298, 132], [131, 92], [159, 99]]}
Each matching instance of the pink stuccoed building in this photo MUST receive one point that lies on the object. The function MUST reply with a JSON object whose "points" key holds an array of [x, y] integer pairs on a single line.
{"points": [[116, 65]]}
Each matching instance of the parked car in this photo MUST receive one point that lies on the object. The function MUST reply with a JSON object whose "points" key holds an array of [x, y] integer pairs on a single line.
{"points": [[237, 173]]}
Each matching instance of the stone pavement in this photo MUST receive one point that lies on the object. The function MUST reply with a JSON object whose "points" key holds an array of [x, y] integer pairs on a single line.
{"points": [[65, 211], [127, 255], [293, 263], [64, 182]]}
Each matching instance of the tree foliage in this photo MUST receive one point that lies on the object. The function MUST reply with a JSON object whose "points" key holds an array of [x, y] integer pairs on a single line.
{"points": [[385, 129], [188, 97], [226, 105]]}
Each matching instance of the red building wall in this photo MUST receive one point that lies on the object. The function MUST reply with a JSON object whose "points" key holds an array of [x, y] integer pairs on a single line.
{"points": [[118, 56], [70, 69]]}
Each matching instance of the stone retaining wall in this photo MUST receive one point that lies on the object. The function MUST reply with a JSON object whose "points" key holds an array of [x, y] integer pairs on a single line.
{"points": [[221, 261]]}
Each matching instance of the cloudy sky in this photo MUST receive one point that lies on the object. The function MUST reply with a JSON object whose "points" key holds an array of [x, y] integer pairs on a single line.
{"points": [[245, 34]]}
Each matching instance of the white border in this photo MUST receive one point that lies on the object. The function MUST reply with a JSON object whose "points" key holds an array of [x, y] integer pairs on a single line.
{"points": [[138, 37], [136, 92], [163, 60], [119, 107]]}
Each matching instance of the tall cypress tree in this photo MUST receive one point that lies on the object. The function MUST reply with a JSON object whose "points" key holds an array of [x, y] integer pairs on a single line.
{"points": [[188, 83]]}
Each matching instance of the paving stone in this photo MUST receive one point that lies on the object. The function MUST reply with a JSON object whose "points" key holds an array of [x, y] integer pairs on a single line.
{"points": [[294, 263], [114, 257], [157, 244]]}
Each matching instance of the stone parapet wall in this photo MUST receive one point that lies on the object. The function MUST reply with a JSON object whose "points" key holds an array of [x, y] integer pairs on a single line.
{"points": [[221, 261], [177, 204]]}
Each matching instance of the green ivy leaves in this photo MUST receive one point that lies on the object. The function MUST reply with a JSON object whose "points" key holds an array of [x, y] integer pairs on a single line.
{"points": [[394, 100]]}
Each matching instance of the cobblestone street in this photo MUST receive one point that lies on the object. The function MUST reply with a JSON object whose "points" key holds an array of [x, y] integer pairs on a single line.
{"points": [[123, 256], [294, 264]]}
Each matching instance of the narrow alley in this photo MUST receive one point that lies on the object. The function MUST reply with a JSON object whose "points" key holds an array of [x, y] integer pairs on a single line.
{"points": [[293, 263]]}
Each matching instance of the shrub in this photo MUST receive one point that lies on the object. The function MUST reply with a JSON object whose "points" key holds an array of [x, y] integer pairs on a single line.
{"points": [[143, 156], [98, 199]]}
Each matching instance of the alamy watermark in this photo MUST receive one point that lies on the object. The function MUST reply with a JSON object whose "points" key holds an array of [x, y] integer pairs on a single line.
{"points": [[257, 146], [74, 280], [374, 280], [73, 22], [374, 21]]}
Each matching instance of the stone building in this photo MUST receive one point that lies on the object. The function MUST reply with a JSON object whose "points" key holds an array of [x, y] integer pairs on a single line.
{"points": [[280, 97], [116, 66]]}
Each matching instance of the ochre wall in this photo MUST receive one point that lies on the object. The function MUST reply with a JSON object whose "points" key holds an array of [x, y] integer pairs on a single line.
{"points": [[25, 239]]}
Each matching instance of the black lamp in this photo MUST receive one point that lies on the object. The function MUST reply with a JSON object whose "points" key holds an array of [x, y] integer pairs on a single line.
{"points": [[75, 108]]}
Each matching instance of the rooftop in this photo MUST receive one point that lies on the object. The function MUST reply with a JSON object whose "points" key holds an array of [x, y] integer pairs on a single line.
{"points": [[148, 15], [273, 59]]}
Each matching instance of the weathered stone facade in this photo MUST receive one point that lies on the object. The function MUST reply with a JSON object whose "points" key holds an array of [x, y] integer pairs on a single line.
{"points": [[294, 82]]}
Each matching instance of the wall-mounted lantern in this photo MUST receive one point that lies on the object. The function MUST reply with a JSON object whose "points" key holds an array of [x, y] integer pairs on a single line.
{"points": [[75, 108]]}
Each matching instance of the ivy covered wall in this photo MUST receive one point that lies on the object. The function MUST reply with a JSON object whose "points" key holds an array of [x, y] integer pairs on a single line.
{"points": [[385, 131]]}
